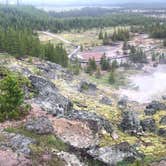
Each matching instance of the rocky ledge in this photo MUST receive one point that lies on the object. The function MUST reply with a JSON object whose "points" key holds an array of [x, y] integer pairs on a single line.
{"points": [[117, 153], [49, 98]]}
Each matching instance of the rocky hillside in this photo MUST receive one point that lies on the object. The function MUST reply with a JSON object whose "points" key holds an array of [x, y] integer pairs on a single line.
{"points": [[73, 121]]}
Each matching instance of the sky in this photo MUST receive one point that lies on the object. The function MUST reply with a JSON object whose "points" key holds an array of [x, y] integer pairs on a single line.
{"points": [[61, 2]]}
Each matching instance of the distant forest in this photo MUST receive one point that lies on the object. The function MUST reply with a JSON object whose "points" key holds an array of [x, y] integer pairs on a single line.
{"points": [[18, 25], [29, 17]]}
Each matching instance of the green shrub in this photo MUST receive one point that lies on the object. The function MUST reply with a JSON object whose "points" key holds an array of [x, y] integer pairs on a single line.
{"points": [[12, 98], [112, 77]]}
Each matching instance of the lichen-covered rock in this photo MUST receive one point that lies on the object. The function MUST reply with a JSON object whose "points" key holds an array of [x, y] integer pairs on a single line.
{"points": [[10, 158], [74, 132], [41, 125], [86, 86], [24, 71], [49, 97], [54, 71], [162, 132], [164, 97], [163, 120], [17, 142], [148, 125], [113, 155], [159, 163], [156, 106], [70, 159], [122, 103], [106, 100], [130, 123], [96, 122], [150, 111]]}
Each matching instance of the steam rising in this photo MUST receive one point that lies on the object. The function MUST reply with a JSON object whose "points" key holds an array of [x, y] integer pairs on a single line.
{"points": [[147, 87]]}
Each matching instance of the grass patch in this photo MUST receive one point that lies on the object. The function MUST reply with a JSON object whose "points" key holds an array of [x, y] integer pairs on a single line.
{"points": [[45, 142], [120, 79]]}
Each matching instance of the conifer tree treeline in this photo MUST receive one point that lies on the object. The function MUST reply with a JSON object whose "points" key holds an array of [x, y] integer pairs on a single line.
{"points": [[157, 30], [24, 43], [21, 17], [137, 55], [119, 34]]}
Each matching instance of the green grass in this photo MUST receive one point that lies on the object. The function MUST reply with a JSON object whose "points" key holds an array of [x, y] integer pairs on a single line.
{"points": [[120, 79], [43, 141], [44, 144]]}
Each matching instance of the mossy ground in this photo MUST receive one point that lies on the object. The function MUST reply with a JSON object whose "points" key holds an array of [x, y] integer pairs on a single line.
{"points": [[157, 145]]}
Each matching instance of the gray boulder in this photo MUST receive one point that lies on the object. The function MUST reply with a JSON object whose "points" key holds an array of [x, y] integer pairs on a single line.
{"points": [[70, 159], [106, 100], [113, 155], [162, 132], [95, 122], [163, 120], [122, 103], [164, 97], [156, 106], [54, 71], [130, 123], [148, 125], [86, 86], [41, 125], [21, 144], [49, 97], [150, 111], [17, 142], [159, 163]]}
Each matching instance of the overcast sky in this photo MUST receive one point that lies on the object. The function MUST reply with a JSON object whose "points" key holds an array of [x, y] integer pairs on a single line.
{"points": [[59, 2]]}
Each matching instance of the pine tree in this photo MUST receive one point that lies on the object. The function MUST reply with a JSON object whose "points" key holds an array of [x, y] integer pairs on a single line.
{"points": [[112, 77], [11, 97], [101, 36], [104, 63]]}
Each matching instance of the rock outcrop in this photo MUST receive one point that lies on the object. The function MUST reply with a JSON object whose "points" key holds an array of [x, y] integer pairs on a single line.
{"points": [[106, 100], [155, 105], [148, 125], [17, 142], [130, 123], [54, 71], [41, 125], [122, 103], [9, 158], [150, 111], [70, 159], [95, 122], [163, 120], [75, 133], [49, 97], [159, 163], [113, 155], [87, 87], [162, 132]]}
